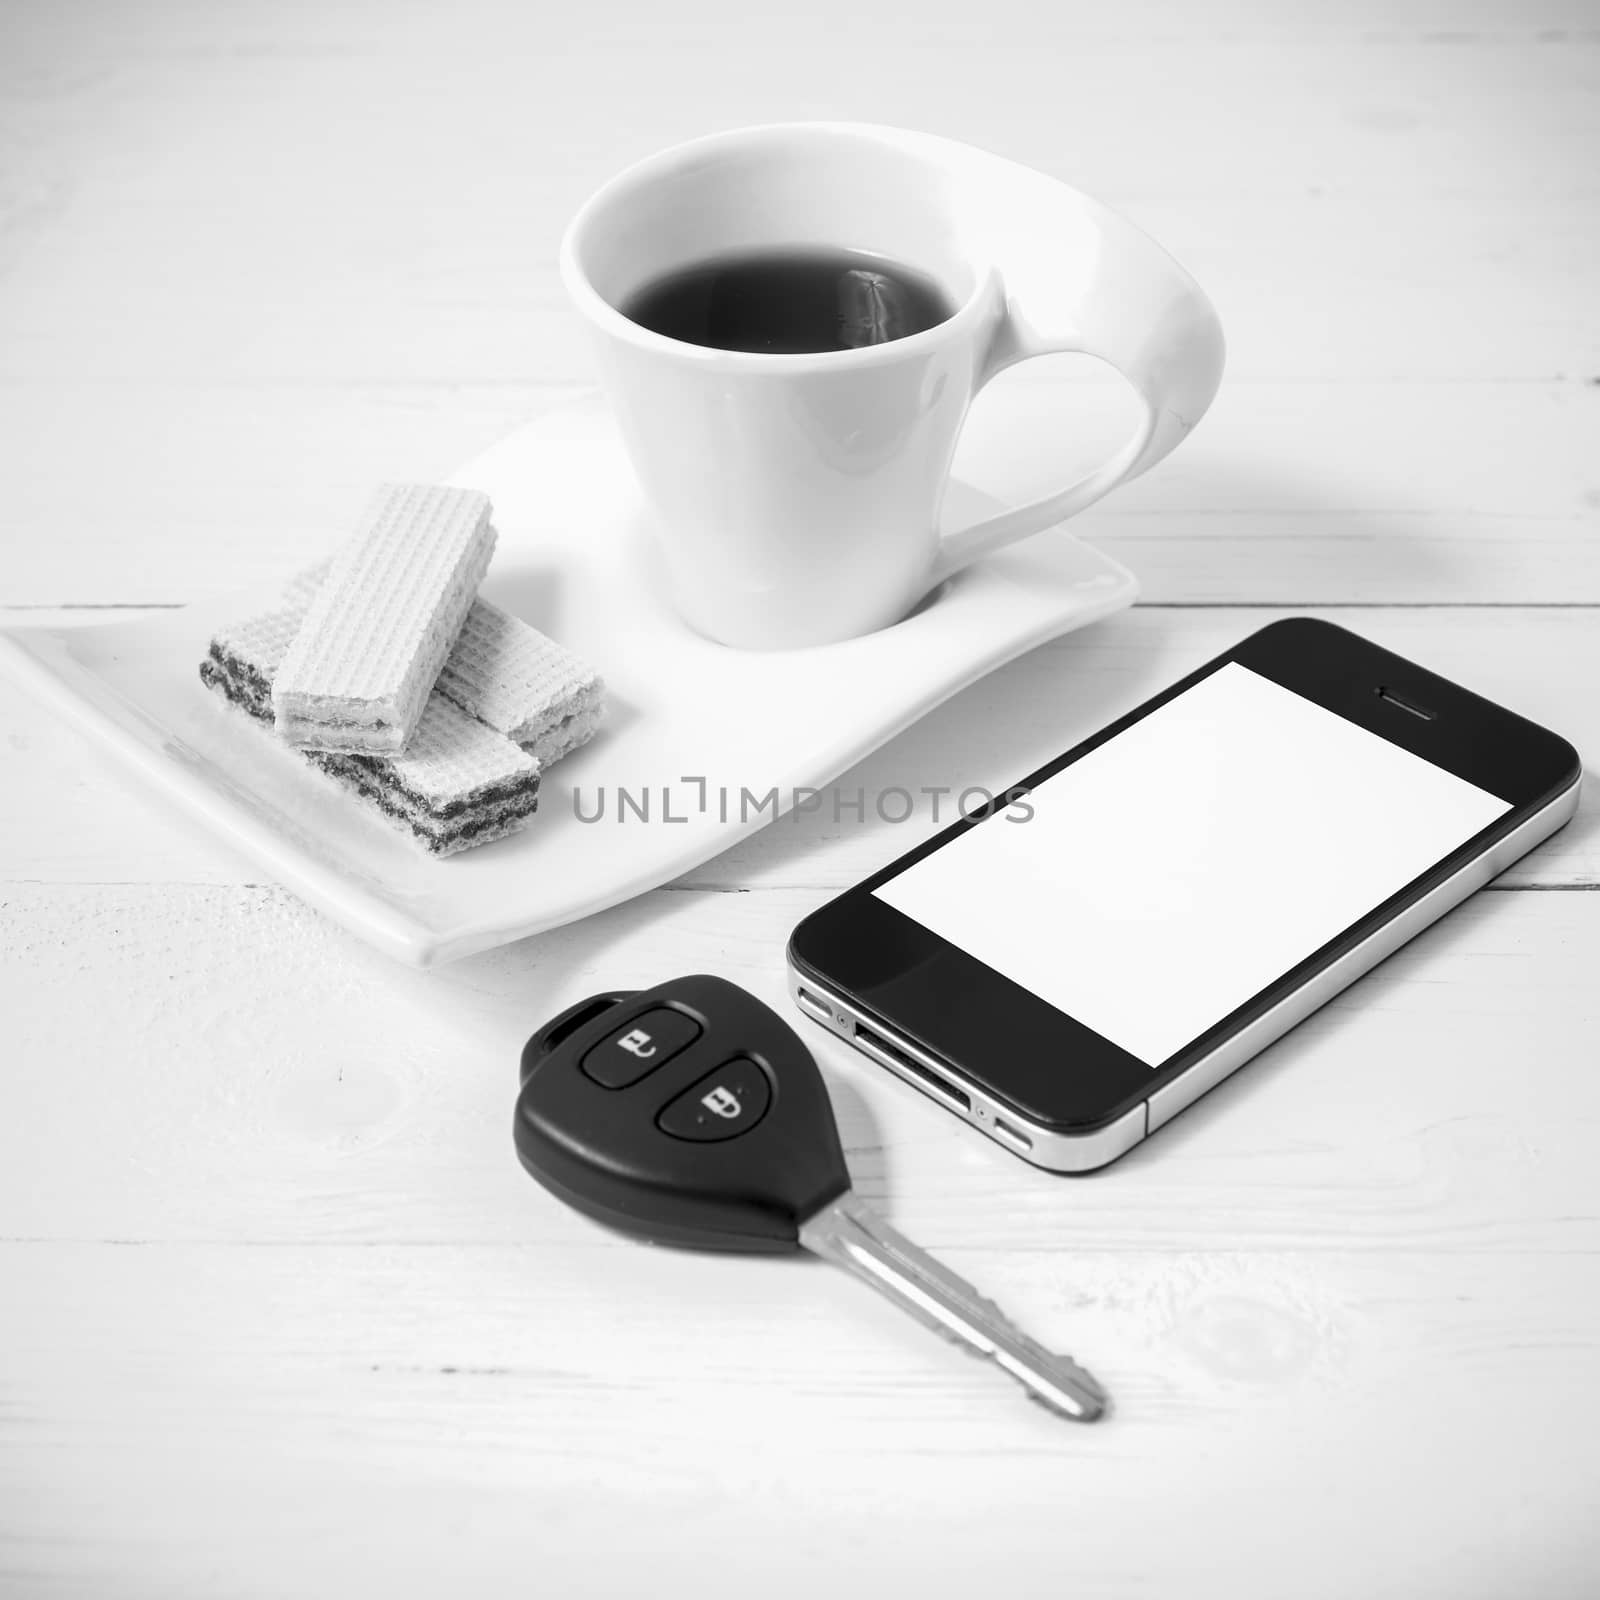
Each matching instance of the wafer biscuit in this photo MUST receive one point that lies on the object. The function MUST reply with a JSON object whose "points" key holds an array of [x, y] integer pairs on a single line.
{"points": [[564, 737], [506, 673], [361, 668], [532, 689], [459, 783]]}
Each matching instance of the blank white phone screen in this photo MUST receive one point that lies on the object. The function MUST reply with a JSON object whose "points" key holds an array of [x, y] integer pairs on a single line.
{"points": [[1173, 873]]}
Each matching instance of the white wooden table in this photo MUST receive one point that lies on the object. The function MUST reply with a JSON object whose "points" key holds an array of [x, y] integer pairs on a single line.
{"points": [[280, 1313]]}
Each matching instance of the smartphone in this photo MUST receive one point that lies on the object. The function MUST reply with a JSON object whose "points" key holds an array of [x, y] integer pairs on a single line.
{"points": [[1107, 940]]}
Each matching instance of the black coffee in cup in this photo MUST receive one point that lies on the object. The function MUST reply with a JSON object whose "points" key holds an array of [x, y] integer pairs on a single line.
{"points": [[790, 302]]}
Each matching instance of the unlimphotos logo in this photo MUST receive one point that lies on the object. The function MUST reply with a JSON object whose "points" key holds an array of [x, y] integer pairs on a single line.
{"points": [[694, 796]]}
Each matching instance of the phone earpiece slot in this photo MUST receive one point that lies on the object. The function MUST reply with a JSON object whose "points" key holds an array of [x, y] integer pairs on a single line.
{"points": [[1385, 693]]}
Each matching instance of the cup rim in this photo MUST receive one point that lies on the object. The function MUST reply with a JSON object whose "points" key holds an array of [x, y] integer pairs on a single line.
{"points": [[594, 305]]}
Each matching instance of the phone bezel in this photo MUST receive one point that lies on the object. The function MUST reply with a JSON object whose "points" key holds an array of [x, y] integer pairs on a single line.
{"points": [[1007, 1043]]}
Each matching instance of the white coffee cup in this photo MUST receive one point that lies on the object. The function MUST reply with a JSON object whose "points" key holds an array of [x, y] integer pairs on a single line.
{"points": [[796, 497]]}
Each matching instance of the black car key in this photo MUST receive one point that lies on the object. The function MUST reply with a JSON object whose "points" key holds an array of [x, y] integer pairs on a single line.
{"points": [[692, 1114]]}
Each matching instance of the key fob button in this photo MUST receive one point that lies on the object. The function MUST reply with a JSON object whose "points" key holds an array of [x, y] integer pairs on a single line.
{"points": [[639, 1047], [722, 1105]]}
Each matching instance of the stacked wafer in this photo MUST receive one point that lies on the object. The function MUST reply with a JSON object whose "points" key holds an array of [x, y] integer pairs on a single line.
{"points": [[391, 676], [382, 622]]}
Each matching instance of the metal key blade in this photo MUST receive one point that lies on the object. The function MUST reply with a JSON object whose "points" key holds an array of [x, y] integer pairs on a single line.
{"points": [[852, 1235]]}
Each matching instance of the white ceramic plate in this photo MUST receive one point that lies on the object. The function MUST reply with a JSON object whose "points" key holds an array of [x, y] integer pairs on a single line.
{"points": [[573, 560]]}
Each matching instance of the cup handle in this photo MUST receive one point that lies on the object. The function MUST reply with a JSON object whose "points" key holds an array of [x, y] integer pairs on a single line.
{"points": [[1092, 284]]}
